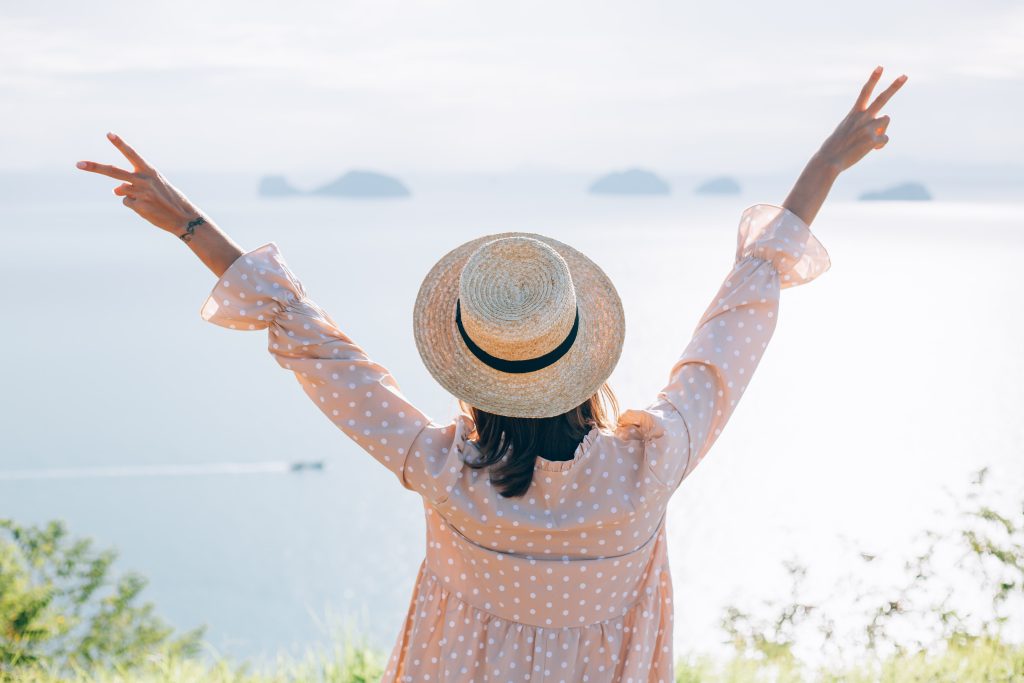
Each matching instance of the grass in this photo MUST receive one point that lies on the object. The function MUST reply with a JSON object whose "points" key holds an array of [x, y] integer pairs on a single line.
{"points": [[343, 664], [975, 661], [979, 661]]}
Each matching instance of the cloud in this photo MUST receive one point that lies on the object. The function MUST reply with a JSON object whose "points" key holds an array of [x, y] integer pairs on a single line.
{"points": [[463, 85]]}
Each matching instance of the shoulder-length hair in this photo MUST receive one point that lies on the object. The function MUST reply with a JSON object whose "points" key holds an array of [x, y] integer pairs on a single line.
{"points": [[509, 446]]}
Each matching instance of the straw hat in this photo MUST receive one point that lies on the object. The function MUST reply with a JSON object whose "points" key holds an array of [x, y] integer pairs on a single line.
{"points": [[519, 324]]}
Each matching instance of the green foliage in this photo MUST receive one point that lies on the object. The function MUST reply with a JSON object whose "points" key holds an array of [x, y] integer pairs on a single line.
{"points": [[350, 661], [62, 620], [978, 661], [981, 661], [60, 609]]}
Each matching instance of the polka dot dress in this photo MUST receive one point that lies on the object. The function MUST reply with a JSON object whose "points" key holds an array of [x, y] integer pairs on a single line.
{"points": [[569, 582]]}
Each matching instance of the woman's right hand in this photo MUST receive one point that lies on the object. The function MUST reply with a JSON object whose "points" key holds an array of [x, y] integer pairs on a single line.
{"points": [[862, 130], [148, 193]]}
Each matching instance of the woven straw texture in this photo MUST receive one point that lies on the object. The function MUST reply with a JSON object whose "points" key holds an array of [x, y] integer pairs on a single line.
{"points": [[517, 303]]}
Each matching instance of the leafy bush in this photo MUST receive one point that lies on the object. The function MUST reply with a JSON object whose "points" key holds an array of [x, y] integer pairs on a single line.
{"points": [[61, 610]]}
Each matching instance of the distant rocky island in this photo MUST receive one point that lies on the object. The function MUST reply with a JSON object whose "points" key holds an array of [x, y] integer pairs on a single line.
{"points": [[354, 184], [635, 181], [720, 185], [903, 191], [364, 184]]}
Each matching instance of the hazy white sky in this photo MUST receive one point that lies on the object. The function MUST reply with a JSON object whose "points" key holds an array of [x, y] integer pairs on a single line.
{"points": [[476, 85]]}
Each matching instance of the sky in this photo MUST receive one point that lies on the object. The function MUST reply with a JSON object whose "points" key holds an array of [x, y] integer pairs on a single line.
{"points": [[480, 86]]}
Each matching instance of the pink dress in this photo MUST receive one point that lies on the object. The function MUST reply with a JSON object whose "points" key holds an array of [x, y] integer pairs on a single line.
{"points": [[571, 581]]}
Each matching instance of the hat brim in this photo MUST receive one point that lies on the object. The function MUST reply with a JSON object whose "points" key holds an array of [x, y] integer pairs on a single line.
{"points": [[550, 391]]}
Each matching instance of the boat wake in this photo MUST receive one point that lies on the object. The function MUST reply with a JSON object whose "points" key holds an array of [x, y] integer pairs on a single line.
{"points": [[198, 469]]}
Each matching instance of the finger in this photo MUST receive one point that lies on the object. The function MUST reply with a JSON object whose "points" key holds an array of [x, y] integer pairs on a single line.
{"points": [[879, 125], [137, 161], [126, 190], [865, 91], [128, 201], [882, 140], [104, 169], [884, 96]]}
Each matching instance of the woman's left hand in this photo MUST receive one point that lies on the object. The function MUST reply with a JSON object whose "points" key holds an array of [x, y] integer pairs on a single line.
{"points": [[146, 192], [857, 134], [861, 130]]}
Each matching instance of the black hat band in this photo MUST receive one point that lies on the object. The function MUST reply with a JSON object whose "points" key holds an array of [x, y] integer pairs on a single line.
{"points": [[518, 366]]}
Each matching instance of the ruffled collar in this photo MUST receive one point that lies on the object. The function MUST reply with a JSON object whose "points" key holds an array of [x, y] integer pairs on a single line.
{"points": [[581, 450], [465, 426]]}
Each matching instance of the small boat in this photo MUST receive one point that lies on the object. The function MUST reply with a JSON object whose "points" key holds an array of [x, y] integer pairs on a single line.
{"points": [[311, 465]]}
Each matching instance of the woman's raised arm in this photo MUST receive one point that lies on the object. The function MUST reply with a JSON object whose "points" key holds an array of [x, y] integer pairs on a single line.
{"points": [[775, 250], [256, 290]]}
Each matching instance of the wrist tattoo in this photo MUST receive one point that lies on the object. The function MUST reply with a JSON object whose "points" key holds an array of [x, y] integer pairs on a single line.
{"points": [[190, 229]]}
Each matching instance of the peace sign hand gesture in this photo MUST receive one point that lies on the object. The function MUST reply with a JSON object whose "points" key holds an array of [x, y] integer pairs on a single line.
{"points": [[860, 131], [148, 193]]}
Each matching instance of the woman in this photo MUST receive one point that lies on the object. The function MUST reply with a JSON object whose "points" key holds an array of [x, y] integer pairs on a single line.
{"points": [[545, 510]]}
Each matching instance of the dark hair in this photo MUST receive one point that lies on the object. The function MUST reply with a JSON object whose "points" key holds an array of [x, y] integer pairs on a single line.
{"points": [[509, 446]]}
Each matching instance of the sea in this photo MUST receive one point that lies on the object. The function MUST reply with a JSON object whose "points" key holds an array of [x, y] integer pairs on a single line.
{"points": [[890, 380]]}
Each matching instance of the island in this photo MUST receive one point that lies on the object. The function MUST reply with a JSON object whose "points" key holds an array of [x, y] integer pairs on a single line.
{"points": [[634, 181], [903, 191], [720, 185], [276, 186], [360, 184]]}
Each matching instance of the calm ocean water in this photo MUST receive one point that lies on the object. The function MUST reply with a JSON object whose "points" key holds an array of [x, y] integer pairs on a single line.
{"points": [[890, 379]]}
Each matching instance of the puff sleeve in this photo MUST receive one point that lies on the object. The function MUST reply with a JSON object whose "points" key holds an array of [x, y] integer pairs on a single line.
{"points": [[775, 250], [360, 397]]}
